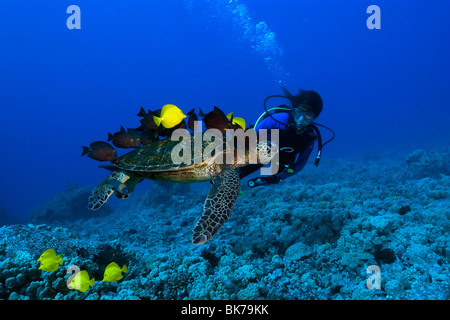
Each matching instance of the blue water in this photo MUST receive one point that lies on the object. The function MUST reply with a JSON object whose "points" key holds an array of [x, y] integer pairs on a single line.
{"points": [[61, 89]]}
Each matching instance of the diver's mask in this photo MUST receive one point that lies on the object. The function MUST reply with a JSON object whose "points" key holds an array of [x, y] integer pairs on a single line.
{"points": [[302, 117]]}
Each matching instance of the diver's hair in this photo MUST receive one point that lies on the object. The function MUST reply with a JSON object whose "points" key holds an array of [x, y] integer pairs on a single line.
{"points": [[308, 99]]}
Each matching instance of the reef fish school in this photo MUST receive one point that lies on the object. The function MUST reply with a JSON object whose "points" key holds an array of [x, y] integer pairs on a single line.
{"points": [[232, 146]]}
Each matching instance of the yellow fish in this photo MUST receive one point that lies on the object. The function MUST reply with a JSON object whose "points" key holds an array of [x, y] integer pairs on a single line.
{"points": [[81, 281], [113, 272], [49, 260], [171, 115], [236, 120]]}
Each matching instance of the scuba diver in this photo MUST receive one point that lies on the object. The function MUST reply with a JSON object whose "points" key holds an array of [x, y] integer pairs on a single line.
{"points": [[297, 135]]}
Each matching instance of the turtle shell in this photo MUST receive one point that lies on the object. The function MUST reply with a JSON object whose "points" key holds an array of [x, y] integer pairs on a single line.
{"points": [[157, 156]]}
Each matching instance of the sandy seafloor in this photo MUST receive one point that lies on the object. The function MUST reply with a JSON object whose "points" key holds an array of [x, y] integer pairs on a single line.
{"points": [[313, 236]]}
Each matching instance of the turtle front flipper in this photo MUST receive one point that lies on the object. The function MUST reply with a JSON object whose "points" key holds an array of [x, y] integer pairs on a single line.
{"points": [[218, 206], [112, 183]]}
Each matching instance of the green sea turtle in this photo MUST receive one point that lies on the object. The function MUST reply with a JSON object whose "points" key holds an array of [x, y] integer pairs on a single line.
{"points": [[154, 162]]}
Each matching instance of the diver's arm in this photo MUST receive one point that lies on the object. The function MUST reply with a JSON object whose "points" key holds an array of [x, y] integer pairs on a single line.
{"points": [[299, 163], [286, 170]]}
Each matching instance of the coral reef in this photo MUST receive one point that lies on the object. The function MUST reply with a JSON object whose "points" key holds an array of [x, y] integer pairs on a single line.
{"points": [[428, 164], [313, 238]]}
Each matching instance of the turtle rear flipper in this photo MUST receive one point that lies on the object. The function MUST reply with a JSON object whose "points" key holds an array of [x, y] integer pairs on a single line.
{"points": [[218, 206], [106, 188]]}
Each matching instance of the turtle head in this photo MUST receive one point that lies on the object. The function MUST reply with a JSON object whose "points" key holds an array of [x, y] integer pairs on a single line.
{"points": [[267, 150], [261, 152]]}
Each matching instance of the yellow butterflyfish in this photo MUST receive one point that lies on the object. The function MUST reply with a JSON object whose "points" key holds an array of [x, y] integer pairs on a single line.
{"points": [[113, 272], [82, 282], [171, 115], [237, 120], [49, 260]]}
